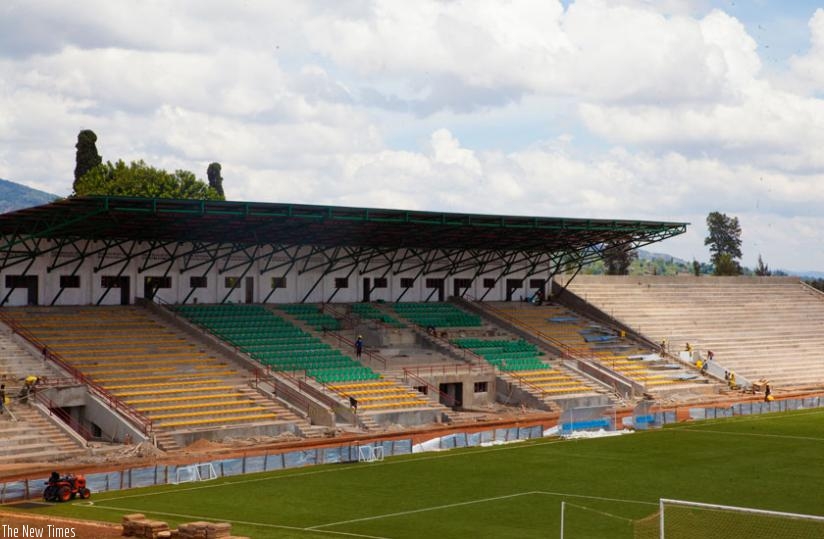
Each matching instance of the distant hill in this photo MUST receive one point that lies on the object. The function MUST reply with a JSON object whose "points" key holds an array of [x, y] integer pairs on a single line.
{"points": [[14, 196]]}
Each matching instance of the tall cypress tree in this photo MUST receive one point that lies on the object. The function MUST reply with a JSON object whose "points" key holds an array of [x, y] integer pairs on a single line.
{"points": [[87, 156], [215, 179]]}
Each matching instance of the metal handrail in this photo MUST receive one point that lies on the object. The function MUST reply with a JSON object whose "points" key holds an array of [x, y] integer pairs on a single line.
{"points": [[143, 422], [63, 416], [371, 355]]}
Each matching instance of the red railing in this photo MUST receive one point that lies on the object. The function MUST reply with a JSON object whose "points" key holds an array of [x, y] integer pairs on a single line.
{"points": [[63, 416], [372, 356], [466, 368], [141, 421]]}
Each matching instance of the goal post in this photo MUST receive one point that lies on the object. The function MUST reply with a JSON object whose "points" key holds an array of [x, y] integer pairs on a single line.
{"points": [[369, 453], [194, 472], [679, 519]]}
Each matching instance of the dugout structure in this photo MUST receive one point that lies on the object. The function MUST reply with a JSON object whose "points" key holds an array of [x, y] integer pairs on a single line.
{"points": [[111, 250]]}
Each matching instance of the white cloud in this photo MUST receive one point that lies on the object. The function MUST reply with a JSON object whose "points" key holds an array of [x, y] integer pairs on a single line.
{"points": [[808, 69], [605, 109]]}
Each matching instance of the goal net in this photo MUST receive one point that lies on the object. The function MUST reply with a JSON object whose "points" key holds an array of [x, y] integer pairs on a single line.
{"points": [[368, 453], [194, 472], [677, 519]]}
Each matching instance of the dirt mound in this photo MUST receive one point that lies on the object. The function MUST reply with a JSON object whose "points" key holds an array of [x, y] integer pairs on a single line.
{"points": [[202, 446]]}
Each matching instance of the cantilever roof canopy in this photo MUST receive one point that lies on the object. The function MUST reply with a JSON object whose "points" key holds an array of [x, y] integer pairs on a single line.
{"points": [[268, 238], [256, 223]]}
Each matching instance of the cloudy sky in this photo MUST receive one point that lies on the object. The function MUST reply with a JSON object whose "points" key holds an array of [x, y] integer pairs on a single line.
{"points": [[630, 109]]}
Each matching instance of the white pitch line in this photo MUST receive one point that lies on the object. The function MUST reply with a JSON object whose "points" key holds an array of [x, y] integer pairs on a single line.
{"points": [[600, 498], [243, 522], [756, 434], [480, 500], [353, 466], [422, 510]]}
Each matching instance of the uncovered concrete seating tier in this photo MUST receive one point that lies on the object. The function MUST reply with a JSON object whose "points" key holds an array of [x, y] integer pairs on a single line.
{"points": [[438, 315], [280, 344], [146, 364], [367, 311], [760, 327], [584, 338]]}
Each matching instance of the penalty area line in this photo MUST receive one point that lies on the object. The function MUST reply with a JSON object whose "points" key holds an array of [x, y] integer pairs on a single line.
{"points": [[232, 521], [479, 500], [421, 510]]}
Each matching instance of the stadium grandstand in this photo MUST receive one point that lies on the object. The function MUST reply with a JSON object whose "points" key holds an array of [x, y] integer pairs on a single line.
{"points": [[171, 321]]}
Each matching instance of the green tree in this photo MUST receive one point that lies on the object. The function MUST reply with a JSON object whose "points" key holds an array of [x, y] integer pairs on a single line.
{"points": [[141, 180], [618, 257], [726, 265], [696, 268], [762, 270], [215, 179], [87, 157], [724, 239]]}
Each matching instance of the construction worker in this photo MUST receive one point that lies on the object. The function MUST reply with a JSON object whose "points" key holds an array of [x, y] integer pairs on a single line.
{"points": [[2, 398], [359, 346], [29, 384]]}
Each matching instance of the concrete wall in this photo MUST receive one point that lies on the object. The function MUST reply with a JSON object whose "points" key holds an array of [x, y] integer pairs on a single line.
{"points": [[469, 397]]}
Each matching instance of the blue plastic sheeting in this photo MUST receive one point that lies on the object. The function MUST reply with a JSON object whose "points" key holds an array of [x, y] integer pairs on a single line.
{"points": [[593, 424], [255, 464], [388, 446], [300, 458], [487, 436], [274, 462], [666, 418], [402, 447], [460, 439], [448, 442], [14, 491], [812, 402], [562, 319], [144, 477], [331, 455], [599, 338], [500, 435], [229, 467], [98, 482], [473, 439]]}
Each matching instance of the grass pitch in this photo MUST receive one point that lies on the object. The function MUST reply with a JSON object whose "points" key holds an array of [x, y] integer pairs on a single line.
{"points": [[773, 462]]}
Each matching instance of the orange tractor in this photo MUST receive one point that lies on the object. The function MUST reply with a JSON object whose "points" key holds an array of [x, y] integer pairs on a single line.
{"points": [[63, 489]]}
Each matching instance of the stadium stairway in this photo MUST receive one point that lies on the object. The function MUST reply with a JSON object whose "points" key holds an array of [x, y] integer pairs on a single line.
{"points": [[185, 392], [34, 438], [761, 328], [30, 436]]}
